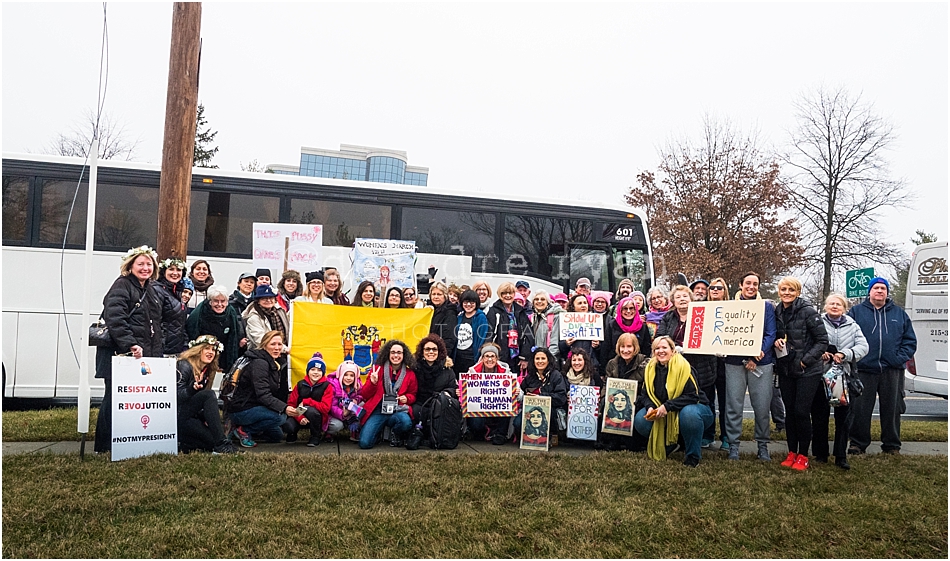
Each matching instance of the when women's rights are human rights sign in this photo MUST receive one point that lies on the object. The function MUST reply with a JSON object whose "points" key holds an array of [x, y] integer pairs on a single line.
{"points": [[733, 327]]}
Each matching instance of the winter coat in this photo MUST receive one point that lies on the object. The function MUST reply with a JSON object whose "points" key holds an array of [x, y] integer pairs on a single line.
{"points": [[554, 386], [546, 326], [588, 346], [336, 408], [186, 382], [260, 384], [848, 339], [691, 394], [133, 314], [805, 339], [372, 394], [239, 301], [704, 366], [175, 339], [613, 331], [444, 320], [319, 396], [633, 370], [499, 325], [257, 326], [890, 335], [195, 326], [434, 379]]}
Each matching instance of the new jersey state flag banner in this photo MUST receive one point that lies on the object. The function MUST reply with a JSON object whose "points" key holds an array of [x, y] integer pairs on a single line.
{"points": [[349, 332]]}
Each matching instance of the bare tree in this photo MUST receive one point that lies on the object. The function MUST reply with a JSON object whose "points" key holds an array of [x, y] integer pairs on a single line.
{"points": [[840, 182], [114, 142], [253, 166]]}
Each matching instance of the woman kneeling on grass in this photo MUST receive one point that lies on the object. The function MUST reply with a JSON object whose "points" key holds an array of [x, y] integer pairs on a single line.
{"points": [[389, 392], [671, 405], [199, 422]]}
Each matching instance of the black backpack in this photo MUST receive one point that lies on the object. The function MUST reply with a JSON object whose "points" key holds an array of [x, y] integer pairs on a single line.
{"points": [[445, 421]]}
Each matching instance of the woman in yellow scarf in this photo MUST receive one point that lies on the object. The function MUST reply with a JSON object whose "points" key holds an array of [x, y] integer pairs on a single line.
{"points": [[671, 405]]}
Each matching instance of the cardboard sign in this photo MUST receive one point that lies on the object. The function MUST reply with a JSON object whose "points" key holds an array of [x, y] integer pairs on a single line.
{"points": [[287, 247], [385, 263], [587, 326], [618, 406], [583, 403], [487, 395], [144, 407], [536, 422], [733, 327]]}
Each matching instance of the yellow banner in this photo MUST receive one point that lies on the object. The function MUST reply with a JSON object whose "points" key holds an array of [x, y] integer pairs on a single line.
{"points": [[350, 332]]}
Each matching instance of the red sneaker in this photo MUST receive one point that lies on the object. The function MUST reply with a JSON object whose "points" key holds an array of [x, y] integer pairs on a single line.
{"points": [[790, 459], [801, 463]]}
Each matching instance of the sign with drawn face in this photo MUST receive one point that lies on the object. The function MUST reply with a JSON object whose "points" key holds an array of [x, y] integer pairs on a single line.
{"points": [[536, 423], [618, 406]]}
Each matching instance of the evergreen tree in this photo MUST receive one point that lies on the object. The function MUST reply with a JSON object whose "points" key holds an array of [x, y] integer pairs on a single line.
{"points": [[204, 136]]}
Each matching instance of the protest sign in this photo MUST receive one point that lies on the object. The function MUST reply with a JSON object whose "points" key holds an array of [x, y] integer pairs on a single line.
{"points": [[536, 422], [144, 407], [487, 395], [732, 327], [618, 406], [582, 412], [385, 263], [287, 247], [582, 325]]}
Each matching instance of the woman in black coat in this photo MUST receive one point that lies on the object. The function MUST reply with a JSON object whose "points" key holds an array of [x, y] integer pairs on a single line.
{"points": [[432, 376], [799, 331], [444, 316], [132, 310], [199, 422], [169, 286], [515, 339]]}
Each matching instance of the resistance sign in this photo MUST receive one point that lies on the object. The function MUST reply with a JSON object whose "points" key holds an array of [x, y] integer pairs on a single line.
{"points": [[144, 407], [487, 395], [733, 327]]}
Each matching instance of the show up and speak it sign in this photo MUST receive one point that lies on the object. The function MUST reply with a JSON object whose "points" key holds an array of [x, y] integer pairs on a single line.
{"points": [[733, 327], [582, 325], [144, 407], [487, 395], [582, 405], [385, 263], [287, 247]]}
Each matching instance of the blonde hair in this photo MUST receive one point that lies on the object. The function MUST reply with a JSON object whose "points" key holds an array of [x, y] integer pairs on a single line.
{"points": [[794, 283], [680, 288], [725, 288], [628, 338], [439, 286], [191, 355], [669, 340], [125, 269], [480, 284], [266, 339], [840, 297], [506, 287]]}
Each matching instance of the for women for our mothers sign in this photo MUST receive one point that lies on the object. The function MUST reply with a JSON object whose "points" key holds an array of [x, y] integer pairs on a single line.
{"points": [[385, 263], [144, 407], [582, 405], [487, 395], [582, 325], [285, 247], [733, 327]]}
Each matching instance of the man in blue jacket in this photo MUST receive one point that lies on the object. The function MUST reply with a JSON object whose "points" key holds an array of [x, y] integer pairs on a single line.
{"points": [[892, 342]]}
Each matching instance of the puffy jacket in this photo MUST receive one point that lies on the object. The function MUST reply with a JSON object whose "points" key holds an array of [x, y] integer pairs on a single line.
{"points": [[173, 317], [260, 384], [133, 314], [444, 320], [319, 396], [499, 325], [890, 336], [546, 326], [805, 339], [186, 381], [848, 339], [704, 366], [554, 386]]}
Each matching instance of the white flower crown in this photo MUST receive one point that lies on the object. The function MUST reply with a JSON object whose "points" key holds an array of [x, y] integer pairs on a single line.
{"points": [[173, 262], [207, 340], [143, 250]]}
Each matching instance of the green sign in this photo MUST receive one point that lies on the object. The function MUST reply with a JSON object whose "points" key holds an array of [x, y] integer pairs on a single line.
{"points": [[857, 281]]}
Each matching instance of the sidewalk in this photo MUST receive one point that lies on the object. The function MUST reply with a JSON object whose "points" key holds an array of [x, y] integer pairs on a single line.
{"points": [[778, 449]]}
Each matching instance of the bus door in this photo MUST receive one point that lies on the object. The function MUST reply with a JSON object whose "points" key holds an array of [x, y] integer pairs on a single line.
{"points": [[593, 261]]}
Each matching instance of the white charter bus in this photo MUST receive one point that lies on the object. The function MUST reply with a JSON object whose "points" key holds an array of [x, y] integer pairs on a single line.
{"points": [[467, 237]]}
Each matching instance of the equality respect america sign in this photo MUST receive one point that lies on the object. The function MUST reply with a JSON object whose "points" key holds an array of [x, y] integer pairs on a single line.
{"points": [[732, 327], [144, 407]]}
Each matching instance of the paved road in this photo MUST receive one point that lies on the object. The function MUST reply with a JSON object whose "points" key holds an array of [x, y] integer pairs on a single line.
{"points": [[920, 407]]}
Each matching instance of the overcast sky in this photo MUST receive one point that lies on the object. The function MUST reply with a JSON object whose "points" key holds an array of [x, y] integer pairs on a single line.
{"points": [[569, 101]]}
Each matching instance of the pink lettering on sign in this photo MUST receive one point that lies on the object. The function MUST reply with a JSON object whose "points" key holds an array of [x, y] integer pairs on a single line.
{"points": [[696, 328], [302, 256], [266, 234], [268, 254]]}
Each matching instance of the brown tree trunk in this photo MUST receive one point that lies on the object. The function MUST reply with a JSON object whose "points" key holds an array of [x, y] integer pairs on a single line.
{"points": [[181, 112]]}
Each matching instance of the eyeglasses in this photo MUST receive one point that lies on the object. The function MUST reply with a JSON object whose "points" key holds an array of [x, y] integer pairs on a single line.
{"points": [[716, 288], [408, 294], [628, 308], [395, 352], [430, 350], [506, 293]]}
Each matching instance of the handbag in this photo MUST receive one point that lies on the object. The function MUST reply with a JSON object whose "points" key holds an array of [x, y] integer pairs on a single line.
{"points": [[836, 386], [99, 331]]}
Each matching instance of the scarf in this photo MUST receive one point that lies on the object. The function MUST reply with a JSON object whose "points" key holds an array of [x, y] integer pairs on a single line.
{"points": [[666, 431], [637, 322], [202, 286], [273, 318], [835, 322], [656, 314], [390, 388], [578, 378]]}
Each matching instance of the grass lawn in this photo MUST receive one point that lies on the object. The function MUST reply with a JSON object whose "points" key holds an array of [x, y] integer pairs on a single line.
{"points": [[493, 505], [53, 425]]}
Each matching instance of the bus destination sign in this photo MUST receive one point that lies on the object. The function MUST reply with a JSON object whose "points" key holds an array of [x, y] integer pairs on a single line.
{"points": [[622, 232]]}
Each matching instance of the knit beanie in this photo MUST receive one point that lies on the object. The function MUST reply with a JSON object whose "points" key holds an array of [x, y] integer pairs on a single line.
{"points": [[489, 348], [879, 280], [317, 360], [188, 284]]}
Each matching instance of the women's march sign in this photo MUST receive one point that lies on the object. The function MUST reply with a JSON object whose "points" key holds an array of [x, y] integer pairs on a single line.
{"points": [[583, 403], [384, 263], [733, 327], [536, 422], [582, 325], [487, 395], [286, 247], [618, 406], [144, 407]]}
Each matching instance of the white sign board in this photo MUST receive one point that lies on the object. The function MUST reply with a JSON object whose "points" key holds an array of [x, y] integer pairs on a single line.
{"points": [[144, 407], [583, 403], [385, 263], [586, 326], [486, 394], [733, 327], [287, 247]]}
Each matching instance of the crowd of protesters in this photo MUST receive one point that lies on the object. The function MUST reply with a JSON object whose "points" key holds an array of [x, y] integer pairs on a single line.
{"points": [[158, 309]]}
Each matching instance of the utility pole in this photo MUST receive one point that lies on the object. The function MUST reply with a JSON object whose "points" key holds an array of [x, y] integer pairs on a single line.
{"points": [[181, 112]]}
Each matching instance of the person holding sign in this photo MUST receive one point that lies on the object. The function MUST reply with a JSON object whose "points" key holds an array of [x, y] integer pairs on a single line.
{"points": [[628, 364], [671, 407], [510, 328], [314, 291], [199, 421], [537, 429], [799, 332], [333, 286], [365, 295], [719, 292], [579, 303], [495, 430], [389, 393], [544, 379]]}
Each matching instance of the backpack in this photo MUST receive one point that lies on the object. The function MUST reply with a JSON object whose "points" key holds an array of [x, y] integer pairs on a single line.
{"points": [[445, 421], [229, 384]]}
